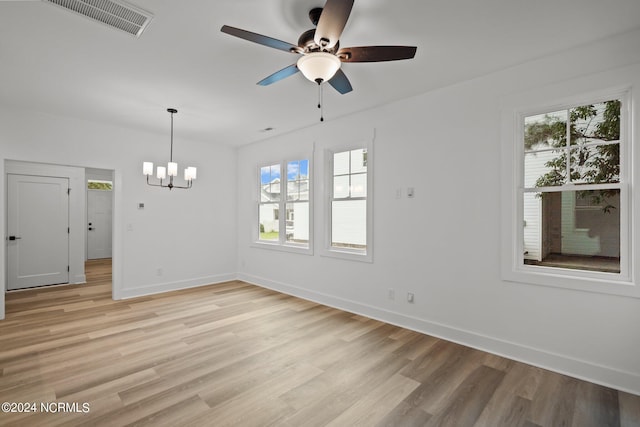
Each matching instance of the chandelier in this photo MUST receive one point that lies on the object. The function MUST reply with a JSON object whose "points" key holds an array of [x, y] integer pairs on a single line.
{"points": [[171, 169]]}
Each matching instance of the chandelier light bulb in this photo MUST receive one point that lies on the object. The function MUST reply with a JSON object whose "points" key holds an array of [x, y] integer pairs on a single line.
{"points": [[162, 172], [147, 168], [172, 169], [190, 173], [193, 172]]}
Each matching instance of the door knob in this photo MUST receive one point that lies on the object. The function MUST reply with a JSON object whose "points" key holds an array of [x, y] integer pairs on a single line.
{"points": [[13, 238], [90, 228]]}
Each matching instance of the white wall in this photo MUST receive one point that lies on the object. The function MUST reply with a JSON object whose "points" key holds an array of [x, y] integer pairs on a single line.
{"points": [[444, 244], [99, 174], [189, 235]]}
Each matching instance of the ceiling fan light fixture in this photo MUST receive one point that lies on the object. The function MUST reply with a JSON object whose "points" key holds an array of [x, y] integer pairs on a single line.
{"points": [[319, 66]]}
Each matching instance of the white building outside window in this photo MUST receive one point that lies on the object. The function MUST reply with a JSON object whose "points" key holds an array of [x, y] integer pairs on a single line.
{"points": [[284, 214]]}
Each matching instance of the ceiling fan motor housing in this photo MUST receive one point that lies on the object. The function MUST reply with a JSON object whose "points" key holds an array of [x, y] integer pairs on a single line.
{"points": [[314, 15], [307, 43]]}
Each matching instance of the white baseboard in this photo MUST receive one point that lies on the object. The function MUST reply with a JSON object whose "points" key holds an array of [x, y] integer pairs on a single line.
{"points": [[158, 288], [581, 369]]}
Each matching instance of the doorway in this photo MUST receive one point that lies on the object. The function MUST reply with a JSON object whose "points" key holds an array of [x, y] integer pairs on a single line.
{"points": [[77, 251], [76, 225], [99, 213]]}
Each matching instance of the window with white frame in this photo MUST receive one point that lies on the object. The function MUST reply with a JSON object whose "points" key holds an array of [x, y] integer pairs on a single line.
{"points": [[350, 227], [572, 196], [284, 204]]}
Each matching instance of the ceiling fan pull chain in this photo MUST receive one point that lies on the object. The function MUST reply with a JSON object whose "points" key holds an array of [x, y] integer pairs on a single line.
{"points": [[320, 100]]}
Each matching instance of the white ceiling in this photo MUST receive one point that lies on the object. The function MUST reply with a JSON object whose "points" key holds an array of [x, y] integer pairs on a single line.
{"points": [[58, 62]]}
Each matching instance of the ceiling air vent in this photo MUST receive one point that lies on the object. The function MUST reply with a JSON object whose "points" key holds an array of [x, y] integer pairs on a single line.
{"points": [[116, 14]]}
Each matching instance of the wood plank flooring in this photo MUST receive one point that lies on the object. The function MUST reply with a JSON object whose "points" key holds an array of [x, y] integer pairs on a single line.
{"points": [[238, 355]]}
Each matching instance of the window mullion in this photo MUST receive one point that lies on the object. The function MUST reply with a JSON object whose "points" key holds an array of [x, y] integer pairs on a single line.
{"points": [[574, 187], [282, 219], [349, 173]]}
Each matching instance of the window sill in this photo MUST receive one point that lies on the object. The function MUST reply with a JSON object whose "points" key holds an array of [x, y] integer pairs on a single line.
{"points": [[564, 278], [296, 249], [350, 255]]}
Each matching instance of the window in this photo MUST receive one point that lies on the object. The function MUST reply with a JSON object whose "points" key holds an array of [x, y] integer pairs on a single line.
{"points": [[285, 188], [269, 203], [297, 206], [571, 195], [94, 184], [349, 216], [566, 194]]}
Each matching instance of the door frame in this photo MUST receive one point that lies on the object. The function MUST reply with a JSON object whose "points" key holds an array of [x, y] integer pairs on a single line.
{"points": [[118, 223], [77, 211]]}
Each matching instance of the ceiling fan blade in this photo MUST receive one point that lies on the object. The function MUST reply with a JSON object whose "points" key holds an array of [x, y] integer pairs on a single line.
{"points": [[279, 75], [376, 53], [332, 21], [260, 39], [340, 82]]}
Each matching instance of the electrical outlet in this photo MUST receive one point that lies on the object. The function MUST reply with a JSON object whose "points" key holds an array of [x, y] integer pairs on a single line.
{"points": [[409, 297], [392, 294], [159, 272]]}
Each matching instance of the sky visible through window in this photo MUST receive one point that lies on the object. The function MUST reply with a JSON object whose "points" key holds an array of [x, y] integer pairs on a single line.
{"points": [[295, 170], [298, 169]]}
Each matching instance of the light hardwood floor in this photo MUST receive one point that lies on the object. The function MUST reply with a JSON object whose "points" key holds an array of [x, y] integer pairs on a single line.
{"points": [[236, 354]]}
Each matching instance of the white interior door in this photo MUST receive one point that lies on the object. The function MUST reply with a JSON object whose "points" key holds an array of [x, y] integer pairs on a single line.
{"points": [[99, 217], [37, 231]]}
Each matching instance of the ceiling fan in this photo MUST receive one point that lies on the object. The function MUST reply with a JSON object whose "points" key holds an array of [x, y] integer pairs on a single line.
{"points": [[320, 48]]}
